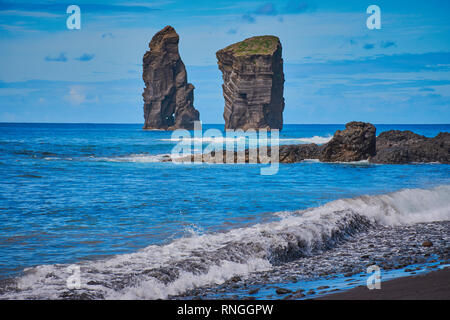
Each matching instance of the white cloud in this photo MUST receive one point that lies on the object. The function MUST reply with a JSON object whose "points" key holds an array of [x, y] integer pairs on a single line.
{"points": [[79, 95], [36, 14]]}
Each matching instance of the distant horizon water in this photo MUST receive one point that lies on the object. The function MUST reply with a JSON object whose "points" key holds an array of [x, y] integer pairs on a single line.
{"points": [[216, 124]]}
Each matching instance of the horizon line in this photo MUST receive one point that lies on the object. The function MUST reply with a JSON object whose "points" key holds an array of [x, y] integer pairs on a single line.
{"points": [[209, 123]]}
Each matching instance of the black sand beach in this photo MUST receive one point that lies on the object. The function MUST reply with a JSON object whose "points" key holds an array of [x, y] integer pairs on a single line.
{"points": [[431, 286]]}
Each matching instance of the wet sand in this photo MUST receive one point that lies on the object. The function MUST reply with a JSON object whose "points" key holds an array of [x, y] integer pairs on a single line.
{"points": [[434, 285]]}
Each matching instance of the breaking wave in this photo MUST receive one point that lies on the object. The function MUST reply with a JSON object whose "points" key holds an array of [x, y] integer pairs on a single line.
{"points": [[161, 271]]}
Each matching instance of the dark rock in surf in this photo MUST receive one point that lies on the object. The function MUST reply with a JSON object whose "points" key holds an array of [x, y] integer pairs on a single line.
{"points": [[357, 142], [300, 152], [168, 97], [254, 291], [397, 147], [282, 291], [427, 244], [323, 287]]}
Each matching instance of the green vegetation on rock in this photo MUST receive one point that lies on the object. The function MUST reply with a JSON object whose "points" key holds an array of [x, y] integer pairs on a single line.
{"points": [[254, 45]]}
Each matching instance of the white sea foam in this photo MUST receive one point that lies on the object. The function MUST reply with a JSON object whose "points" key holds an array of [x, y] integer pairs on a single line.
{"points": [[221, 140], [350, 162], [134, 158], [403, 207], [315, 139], [206, 139], [158, 271], [149, 158]]}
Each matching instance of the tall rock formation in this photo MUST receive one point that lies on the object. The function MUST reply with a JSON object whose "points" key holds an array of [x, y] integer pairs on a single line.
{"points": [[168, 97], [253, 83]]}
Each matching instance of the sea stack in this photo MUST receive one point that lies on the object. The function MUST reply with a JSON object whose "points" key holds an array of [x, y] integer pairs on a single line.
{"points": [[253, 83], [168, 97]]}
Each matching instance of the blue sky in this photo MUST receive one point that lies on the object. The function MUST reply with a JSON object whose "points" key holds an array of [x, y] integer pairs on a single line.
{"points": [[336, 69]]}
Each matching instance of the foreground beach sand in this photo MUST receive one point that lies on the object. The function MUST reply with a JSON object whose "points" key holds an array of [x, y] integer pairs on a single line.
{"points": [[431, 286]]}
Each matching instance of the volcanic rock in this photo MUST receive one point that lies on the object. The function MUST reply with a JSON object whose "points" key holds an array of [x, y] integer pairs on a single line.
{"points": [[282, 291], [396, 147], [427, 243], [295, 153], [357, 142], [168, 97], [253, 83]]}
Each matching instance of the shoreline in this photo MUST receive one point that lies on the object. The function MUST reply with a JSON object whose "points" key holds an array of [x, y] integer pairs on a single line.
{"points": [[333, 243], [434, 285]]}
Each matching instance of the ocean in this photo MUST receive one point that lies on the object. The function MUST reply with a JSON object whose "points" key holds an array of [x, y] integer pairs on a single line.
{"points": [[97, 199]]}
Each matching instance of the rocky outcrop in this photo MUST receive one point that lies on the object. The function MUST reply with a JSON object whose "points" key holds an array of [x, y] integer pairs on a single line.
{"points": [[287, 154], [168, 97], [299, 152], [253, 83], [357, 142], [398, 147]]}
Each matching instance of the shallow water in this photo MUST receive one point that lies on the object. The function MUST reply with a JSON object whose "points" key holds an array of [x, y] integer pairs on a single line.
{"points": [[84, 193]]}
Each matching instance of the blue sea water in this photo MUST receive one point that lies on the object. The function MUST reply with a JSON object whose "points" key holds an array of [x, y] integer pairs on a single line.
{"points": [[84, 192]]}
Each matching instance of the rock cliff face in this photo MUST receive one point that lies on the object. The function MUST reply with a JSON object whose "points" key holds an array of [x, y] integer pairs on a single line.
{"points": [[357, 142], [253, 83], [168, 97], [405, 146]]}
